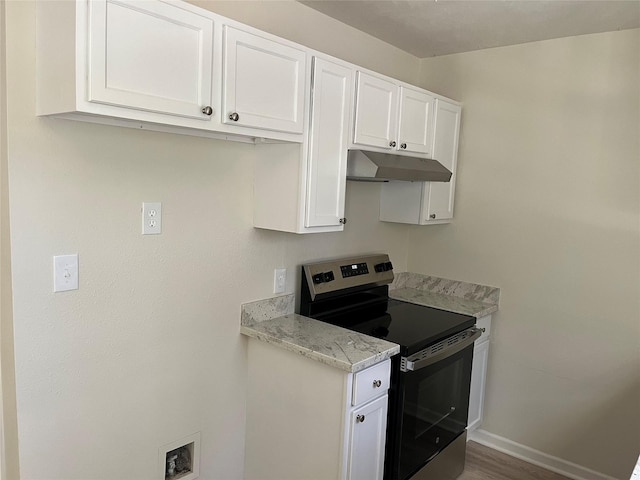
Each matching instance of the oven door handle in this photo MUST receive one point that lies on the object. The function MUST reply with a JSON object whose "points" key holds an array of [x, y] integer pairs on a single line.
{"points": [[414, 365]]}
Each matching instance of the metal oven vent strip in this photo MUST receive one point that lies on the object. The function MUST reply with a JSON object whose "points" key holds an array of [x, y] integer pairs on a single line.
{"points": [[440, 350]]}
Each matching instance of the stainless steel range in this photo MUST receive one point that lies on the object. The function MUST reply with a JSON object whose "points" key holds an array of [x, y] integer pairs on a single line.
{"points": [[430, 377]]}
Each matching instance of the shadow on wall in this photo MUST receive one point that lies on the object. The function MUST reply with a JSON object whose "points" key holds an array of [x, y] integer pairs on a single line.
{"points": [[620, 412]]}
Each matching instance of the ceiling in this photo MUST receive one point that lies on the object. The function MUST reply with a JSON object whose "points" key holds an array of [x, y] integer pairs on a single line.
{"points": [[427, 28]]}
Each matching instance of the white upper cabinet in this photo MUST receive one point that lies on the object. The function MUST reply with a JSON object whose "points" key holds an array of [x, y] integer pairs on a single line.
{"points": [[328, 143], [439, 196], [424, 203], [376, 112], [264, 83], [158, 65], [416, 114], [302, 190], [170, 66], [151, 56], [391, 116]]}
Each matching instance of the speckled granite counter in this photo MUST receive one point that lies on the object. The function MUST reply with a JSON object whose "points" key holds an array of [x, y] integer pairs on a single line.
{"points": [[454, 296], [273, 321]]}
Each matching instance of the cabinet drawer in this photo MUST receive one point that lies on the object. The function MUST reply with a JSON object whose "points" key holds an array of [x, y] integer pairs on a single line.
{"points": [[484, 322], [371, 383]]}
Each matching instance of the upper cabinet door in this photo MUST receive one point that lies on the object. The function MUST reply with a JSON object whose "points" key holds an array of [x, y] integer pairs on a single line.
{"points": [[264, 83], [151, 56], [416, 117], [376, 112], [440, 195], [328, 143]]}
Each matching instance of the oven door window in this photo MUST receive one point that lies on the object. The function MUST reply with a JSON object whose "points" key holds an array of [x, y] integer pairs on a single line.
{"points": [[435, 409]]}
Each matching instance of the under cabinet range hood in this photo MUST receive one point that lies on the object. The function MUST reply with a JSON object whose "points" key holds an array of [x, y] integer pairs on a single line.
{"points": [[366, 166]]}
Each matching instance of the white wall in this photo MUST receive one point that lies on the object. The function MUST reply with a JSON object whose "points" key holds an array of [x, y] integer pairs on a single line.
{"points": [[148, 349], [548, 209], [8, 424]]}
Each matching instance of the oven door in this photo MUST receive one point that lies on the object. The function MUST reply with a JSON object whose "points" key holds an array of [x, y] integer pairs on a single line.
{"points": [[434, 405]]}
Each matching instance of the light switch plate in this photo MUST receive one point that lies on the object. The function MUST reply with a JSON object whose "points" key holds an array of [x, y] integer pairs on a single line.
{"points": [[65, 272]]}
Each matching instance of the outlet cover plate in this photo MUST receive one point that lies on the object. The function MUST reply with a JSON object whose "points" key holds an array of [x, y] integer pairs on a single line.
{"points": [[151, 218], [279, 280]]}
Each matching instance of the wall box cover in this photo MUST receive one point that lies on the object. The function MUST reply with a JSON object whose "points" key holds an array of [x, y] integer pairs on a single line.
{"points": [[192, 443]]}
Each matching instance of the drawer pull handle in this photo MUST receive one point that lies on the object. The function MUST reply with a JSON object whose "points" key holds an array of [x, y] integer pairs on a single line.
{"points": [[377, 383], [360, 418]]}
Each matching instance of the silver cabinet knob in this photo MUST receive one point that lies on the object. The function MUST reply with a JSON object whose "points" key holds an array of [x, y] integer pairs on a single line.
{"points": [[377, 383], [208, 111], [234, 116], [360, 418], [432, 216], [392, 143], [343, 221], [403, 146]]}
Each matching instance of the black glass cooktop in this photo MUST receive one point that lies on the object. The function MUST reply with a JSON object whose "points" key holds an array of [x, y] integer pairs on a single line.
{"points": [[411, 326]]}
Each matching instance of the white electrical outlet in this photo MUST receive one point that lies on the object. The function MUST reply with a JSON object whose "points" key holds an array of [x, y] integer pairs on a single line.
{"points": [[151, 218], [65, 273], [279, 280]]}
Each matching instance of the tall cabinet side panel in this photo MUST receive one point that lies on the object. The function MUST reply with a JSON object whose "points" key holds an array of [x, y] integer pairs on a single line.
{"points": [[56, 36]]}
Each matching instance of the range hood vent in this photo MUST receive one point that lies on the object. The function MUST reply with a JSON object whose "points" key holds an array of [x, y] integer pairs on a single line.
{"points": [[368, 166]]}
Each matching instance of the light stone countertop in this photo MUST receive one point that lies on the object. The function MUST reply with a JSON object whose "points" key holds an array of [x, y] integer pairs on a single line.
{"points": [[441, 301], [451, 295], [273, 321], [334, 346]]}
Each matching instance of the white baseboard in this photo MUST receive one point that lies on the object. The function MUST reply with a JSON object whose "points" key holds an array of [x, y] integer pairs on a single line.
{"points": [[536, 457]]}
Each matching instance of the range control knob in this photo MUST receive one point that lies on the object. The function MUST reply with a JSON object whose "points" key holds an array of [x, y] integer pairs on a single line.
{"points": [[383, 267], [328, 276], [323, 277]]}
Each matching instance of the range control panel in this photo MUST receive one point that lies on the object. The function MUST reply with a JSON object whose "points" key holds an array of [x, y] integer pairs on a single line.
{"points": [[335, 275], [354, 269]]}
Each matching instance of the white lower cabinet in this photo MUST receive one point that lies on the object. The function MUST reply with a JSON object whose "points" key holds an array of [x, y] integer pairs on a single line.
{"points": [[368, 429], [302, 422], [479, 375]]}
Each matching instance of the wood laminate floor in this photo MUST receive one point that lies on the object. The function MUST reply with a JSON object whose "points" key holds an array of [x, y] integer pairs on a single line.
{"points": [[484, 463]]}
